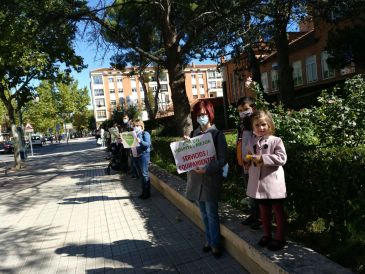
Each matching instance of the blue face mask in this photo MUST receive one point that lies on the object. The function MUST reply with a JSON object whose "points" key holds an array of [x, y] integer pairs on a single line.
{"points": [[203, 120]]}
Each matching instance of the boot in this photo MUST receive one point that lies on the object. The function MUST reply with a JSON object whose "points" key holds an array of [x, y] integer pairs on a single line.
{"points": [[147, 191], [143, 193]]}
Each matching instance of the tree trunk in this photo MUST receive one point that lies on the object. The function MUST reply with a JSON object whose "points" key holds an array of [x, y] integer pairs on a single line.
{"points": [[15, 134], [182, 116], [286, 83]]}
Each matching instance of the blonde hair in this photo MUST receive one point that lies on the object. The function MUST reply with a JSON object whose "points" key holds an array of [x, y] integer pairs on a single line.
{"points": [[266, 115], [139, 122]]}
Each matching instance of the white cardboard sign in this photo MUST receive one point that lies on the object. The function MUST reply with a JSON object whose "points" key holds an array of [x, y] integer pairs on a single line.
{"points": [[193, 153]]}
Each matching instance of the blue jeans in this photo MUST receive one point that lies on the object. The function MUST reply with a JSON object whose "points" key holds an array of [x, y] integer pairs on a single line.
{"points": [[209, 212], [142, 164]]}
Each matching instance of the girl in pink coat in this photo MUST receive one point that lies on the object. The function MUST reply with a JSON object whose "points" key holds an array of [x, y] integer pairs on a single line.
{"points": [[266, 177]]}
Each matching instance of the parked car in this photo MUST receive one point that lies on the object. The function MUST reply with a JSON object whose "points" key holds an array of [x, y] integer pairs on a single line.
{"points": [[37, 140], [2, 148], [9, 147]]}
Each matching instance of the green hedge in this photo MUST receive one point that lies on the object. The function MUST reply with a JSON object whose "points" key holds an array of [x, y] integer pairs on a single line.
{"points": [[326, 195]]}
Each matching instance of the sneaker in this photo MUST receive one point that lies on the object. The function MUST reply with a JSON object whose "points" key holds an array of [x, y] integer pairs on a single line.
{"points": [[248, 221], [256, 225]]}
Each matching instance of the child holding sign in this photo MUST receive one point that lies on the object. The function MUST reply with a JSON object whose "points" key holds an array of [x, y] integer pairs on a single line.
{"points": [[204, 183]]}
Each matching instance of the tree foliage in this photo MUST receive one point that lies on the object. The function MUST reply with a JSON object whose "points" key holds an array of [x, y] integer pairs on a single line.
{"points": [[58, 103], [180, 30]]}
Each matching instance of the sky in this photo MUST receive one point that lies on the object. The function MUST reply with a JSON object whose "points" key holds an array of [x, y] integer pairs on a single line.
{"points": [[92, 59]]}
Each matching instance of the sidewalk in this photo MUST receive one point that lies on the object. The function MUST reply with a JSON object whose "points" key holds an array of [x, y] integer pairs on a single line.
{"points": [[62, 214]]}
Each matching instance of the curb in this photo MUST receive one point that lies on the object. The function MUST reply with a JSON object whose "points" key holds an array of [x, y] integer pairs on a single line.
{"points": [[240, 243], [243, 252]]}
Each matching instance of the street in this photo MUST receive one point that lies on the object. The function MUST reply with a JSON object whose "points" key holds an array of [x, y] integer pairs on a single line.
{"points": [[62, 214]]}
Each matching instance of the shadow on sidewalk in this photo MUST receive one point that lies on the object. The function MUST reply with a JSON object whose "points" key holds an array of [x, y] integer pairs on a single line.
{"points": [[89, 199], [15, 247], [133, 255]]}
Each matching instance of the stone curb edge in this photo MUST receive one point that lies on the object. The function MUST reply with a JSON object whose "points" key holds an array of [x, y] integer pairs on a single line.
{"points": [[248, 256]]}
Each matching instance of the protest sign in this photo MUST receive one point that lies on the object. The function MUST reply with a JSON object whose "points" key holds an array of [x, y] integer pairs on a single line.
{"points": [[129, 139], [193, 153], [114, 134]]}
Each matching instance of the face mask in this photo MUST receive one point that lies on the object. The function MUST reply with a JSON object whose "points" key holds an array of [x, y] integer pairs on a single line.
{"points": [[203, 120], [246, 113], [137, 129], [125, 121]]}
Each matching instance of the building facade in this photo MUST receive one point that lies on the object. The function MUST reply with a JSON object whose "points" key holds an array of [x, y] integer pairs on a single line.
{"points": [[308, 59], [111, 88]]}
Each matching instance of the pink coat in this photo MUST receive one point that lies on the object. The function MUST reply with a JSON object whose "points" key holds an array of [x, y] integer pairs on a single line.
{"points": [[266, 181]]}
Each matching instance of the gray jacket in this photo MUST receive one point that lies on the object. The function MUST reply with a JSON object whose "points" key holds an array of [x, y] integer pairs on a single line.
{"points": [[207, 187]]}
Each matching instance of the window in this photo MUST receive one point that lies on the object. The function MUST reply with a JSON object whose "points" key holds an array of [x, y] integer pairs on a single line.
{"points": [[111, 90], [193, 86], [200, 76], [134, 89], [101, 114], [163, 87], [265, 81], [98, 92], [201, 86], [100, 102], [119, 79], [111, 79], [192, 76], [212, 84], [202, 95], [297, 73], [195, 96], [211, 74], [311, 67], [120, 90], [113, 102], [98, 80], [327, 71], [274, 80]]}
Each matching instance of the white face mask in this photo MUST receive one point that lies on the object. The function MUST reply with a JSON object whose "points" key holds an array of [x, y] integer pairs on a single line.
{"points": [[246, 113], [203, 120], [137, 129], [125, 121]]}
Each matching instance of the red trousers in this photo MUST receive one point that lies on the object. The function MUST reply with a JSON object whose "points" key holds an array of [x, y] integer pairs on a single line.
{"points": [[266, 209]]}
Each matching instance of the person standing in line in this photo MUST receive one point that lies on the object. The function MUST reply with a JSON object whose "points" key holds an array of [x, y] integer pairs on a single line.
{"points": [[204, 184], [102, 136], [266, 177], [125, 152], [245, 107], [143, 152], [134, 159]]}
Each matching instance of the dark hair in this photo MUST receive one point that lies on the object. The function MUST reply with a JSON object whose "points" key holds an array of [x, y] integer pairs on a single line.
{"points": [[246, 100], [204, 104]]}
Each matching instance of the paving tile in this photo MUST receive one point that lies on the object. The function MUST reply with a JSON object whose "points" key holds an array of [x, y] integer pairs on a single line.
{"points": [[78, 220]]}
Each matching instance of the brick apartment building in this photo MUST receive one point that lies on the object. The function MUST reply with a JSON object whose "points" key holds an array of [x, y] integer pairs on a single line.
{"points": [[308, 58], [111, 88]]}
